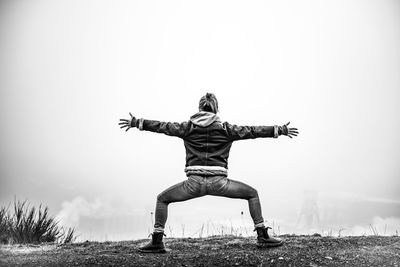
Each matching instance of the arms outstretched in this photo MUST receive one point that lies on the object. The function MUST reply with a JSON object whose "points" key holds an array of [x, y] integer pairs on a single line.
{"points": [[236, 132]]}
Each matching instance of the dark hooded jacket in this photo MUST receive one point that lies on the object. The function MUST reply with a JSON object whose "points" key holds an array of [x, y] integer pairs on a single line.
{"points": [[207, 140]]}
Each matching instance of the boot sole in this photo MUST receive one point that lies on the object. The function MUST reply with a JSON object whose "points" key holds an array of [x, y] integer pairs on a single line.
{"points": [[269, 245], [159, 251]]}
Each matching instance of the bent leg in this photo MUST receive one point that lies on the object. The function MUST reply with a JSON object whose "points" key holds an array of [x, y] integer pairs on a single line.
{"points": [[176, 193], [236, 189]]}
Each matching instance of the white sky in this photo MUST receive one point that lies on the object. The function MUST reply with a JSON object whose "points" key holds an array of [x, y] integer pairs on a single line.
{"points": [[69, 70]]}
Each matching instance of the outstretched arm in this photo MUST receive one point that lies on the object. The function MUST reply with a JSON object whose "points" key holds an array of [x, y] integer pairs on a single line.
{"points": [[249, 132], [168, 128]]}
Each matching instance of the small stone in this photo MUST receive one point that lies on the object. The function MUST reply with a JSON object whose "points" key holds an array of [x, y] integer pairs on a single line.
{"points": [[281, 258]]}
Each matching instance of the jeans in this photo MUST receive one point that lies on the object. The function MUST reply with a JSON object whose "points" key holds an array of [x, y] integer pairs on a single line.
{"points": [[198, 186]]}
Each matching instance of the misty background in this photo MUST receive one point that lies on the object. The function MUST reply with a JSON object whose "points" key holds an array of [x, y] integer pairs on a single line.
{"points": [[69, 70]]}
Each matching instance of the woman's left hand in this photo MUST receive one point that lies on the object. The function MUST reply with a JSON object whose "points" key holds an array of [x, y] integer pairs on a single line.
{"points": [[130, 123]]}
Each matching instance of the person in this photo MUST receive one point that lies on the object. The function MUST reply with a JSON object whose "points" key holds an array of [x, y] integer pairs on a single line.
{"points": [[207, 141]]}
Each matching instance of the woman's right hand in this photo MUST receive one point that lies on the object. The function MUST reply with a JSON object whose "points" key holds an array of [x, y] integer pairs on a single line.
{"points": [[284, 130]]}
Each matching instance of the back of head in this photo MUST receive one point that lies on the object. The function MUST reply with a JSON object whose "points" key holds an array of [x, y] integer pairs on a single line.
{"points": [[208, 103]]}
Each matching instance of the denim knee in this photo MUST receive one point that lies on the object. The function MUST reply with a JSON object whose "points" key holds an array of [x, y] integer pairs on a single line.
{"points": [[160, 198], [253, 193]]}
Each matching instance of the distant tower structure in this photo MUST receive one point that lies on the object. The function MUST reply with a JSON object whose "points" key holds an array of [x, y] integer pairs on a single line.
{"points": [[309, 213]]}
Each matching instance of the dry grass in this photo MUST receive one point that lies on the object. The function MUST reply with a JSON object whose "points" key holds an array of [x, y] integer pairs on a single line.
{"points": [[28, 224]]}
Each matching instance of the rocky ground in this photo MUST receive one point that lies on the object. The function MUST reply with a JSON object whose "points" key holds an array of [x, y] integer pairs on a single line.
{"points": [[213, 251]]}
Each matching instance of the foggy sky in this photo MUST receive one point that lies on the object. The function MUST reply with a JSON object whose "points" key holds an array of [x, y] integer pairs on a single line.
{"points": [[69, 70]]}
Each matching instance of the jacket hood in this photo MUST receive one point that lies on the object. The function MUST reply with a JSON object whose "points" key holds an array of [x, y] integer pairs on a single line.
{"points": [[204, 118]]}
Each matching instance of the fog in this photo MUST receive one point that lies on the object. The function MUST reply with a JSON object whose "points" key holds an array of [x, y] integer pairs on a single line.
{"points": [[69, 70]]}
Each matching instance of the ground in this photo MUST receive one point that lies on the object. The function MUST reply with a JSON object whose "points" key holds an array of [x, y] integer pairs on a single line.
{"points": [[213, 251]]}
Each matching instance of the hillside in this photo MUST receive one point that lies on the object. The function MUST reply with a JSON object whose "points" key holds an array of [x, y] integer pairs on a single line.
{"points": [[213, 251]]}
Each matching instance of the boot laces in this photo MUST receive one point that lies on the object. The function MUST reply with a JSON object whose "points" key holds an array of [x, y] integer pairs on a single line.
{"points": [[155, 233], [264, 231], [156, 237]]}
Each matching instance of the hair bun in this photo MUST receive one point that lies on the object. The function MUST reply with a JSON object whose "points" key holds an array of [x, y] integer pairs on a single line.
{"points": [[208, 103]]}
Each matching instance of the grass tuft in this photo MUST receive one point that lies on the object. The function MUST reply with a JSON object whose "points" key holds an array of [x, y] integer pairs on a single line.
{"points": [[31, 225]]}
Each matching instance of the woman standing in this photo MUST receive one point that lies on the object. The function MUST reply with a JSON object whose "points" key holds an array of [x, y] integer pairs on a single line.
{"points": [[207, 142]]}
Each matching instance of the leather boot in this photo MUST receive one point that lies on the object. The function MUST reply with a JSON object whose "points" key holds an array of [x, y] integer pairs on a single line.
{"points": [[264, 240], [156, 245]]}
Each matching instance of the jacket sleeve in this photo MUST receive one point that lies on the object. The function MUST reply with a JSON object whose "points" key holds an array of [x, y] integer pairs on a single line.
{"points": [[236, 132], [168, 128]]}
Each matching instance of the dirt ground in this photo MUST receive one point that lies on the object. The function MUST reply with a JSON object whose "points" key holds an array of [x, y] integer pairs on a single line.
{"points": [[213, 251]]}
